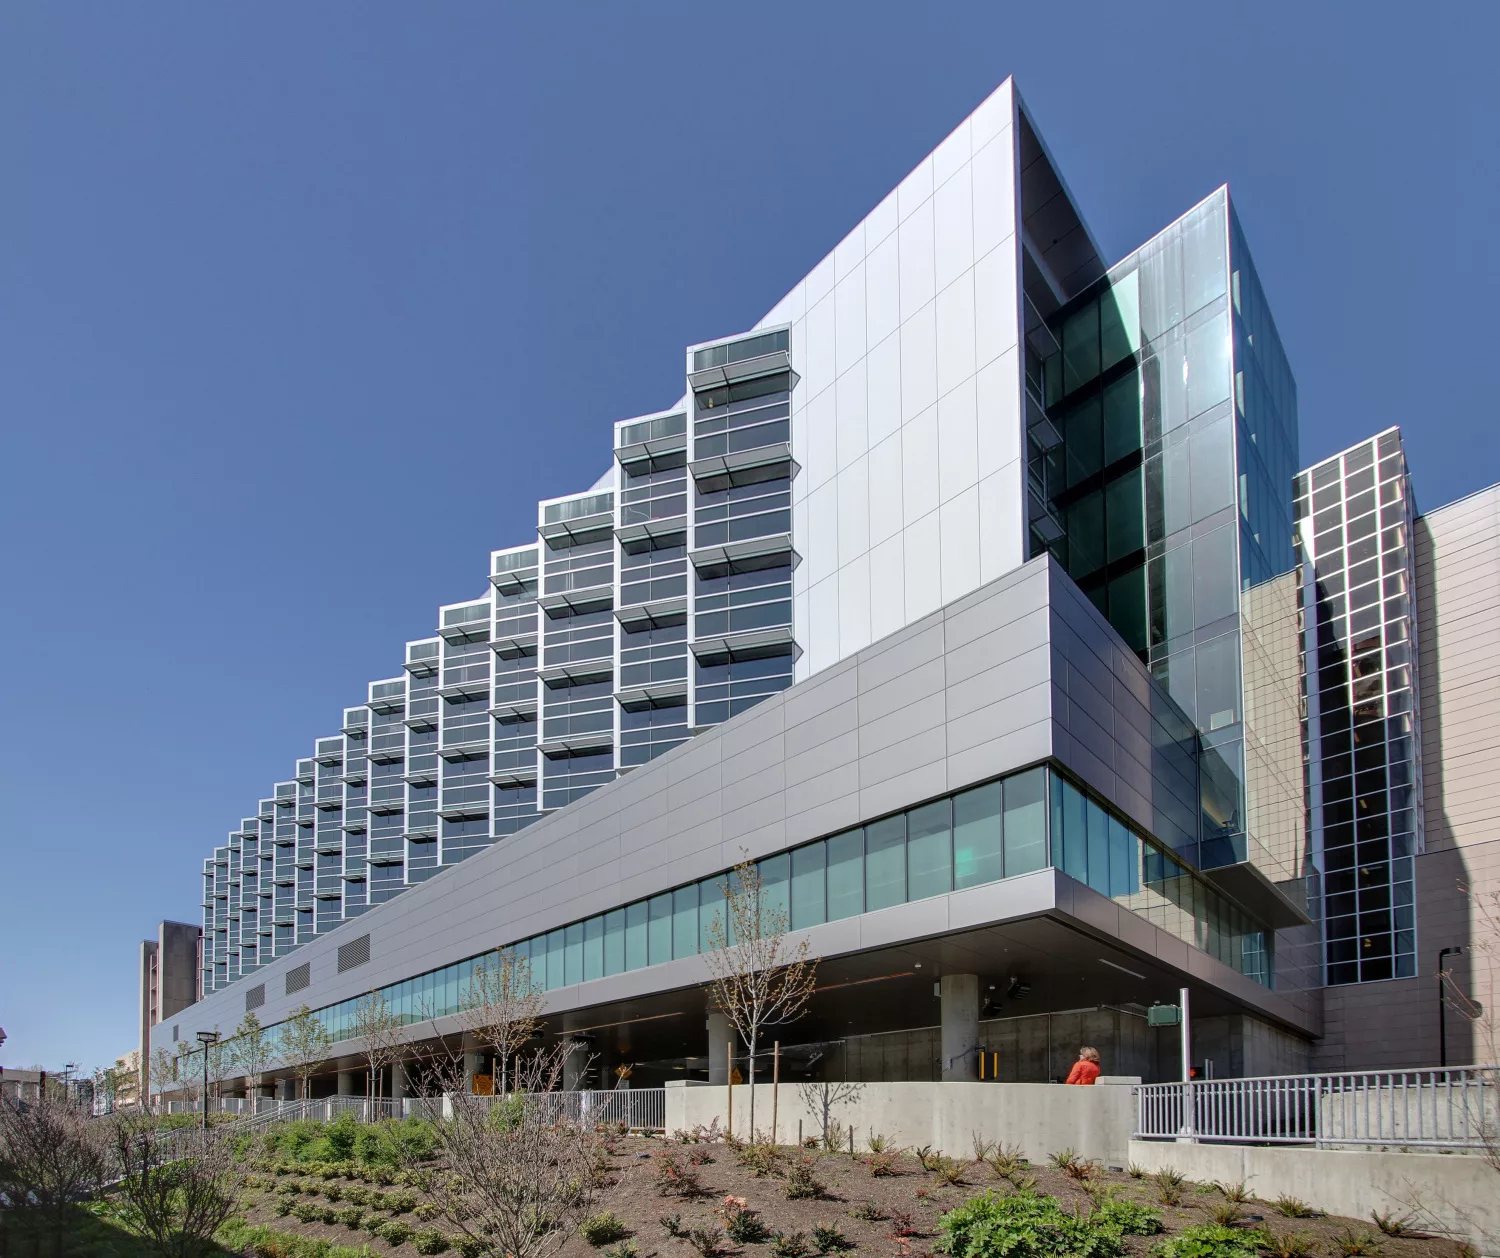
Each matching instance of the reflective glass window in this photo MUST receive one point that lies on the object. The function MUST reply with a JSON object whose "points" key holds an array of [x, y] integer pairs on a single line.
{"points": [[809, 885], [977, 854], [846, 874], [885, 863], [929, 850]]}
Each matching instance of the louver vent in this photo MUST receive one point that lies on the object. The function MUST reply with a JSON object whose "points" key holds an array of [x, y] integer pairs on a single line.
{"points": [[255, 997], [355, 952], [299, 978]]}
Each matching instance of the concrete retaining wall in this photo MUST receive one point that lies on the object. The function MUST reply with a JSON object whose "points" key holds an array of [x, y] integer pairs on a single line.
{"points": [[1039, 1117], [1454, 1192]]}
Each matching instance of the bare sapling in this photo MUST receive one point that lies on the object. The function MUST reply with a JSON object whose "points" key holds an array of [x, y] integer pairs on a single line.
{"points": [[502, 1007], [523, 1170], [759, 979]]}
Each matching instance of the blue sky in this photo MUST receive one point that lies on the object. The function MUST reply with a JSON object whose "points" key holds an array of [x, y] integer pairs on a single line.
{"points": [[303, 307]]}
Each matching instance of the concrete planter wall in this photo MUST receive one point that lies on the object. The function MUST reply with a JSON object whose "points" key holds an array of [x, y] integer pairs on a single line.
{"points": [[1039, 1117], [1457, 1193]]}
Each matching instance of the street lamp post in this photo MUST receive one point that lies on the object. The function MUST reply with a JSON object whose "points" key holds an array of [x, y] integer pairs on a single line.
{"points": [[207, 1039]]}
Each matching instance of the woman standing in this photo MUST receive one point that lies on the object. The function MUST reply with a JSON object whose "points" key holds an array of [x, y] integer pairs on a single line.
{"points": [[1086, 1068]]}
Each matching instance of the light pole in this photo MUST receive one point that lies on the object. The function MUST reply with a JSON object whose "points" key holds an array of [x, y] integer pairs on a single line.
{"points": [[207, 1039], [68, 1068]]}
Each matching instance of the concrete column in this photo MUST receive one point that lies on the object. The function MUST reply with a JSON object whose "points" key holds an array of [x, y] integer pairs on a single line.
{"points": [[400, 1085], [349, 1083], [284, 1089], [718, 1048], [960, 1019], [473, 1065]]}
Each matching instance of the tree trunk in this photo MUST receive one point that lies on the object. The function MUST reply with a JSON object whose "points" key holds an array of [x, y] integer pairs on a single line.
{"points": [[752, 1086]]}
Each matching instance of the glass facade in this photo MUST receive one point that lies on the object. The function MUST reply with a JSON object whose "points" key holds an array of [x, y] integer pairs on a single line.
{"points": [[1364, 780], [1162, 439], [1001, 829]]}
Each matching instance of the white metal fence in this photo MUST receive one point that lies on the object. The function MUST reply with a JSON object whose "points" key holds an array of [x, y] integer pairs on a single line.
{"points": [[639, 1109], [1422, 1109]]}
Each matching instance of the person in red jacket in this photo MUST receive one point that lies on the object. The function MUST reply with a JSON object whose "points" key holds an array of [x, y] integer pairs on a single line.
{"points": [[1086, 1068]]}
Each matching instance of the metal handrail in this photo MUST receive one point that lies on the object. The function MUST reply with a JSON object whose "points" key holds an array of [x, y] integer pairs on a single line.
{"points": [[1456, 1108]]}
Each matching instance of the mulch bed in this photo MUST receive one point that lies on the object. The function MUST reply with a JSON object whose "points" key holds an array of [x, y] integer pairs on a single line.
{"points": [[911, 1199]]}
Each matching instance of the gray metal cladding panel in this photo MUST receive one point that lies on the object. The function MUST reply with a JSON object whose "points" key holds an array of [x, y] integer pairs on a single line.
{"points": [[963, 695]]}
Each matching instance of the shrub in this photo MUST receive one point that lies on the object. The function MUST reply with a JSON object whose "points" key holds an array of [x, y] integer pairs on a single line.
{"points": [[308, 1212], [881, 1163], [1225, 1213], [1025, 1225], [468, 1246], [1393, 1224], [1293, 1208], [1063, 1159], [400, 1202], [1135, 1171], [948, 1170], [396, 1232], [671, 1224], [603, 1229], [625, 1249], [902, 1224], [332, 1191], [351, 1217], [1168, 1186], [742, 1225], [1132, 1218], [1351, 1244], [708, 1241], [790, 1245], [829, 1239], [758, 1157], [283, 1206], [426, 1212], [1210, 1240], [801, 1183], [983, 1149], [869, 1212], [877, 1143], [1008, 1162], [356, 1193], [674, 1177], [339, 1137], [429, 1241], [1288, 1244], [1237, 1192]]}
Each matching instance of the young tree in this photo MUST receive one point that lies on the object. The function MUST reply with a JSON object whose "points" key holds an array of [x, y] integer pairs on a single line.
{"points": [[519, 1181], [176, 1188], [162, 1072], [502, 1007], [304, 1046], [377, 1031], [52, 1156], [759, 979], [252, 1047], [220, 1063]]}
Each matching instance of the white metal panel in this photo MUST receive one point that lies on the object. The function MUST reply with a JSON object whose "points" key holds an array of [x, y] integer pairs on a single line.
{"points": [[919, 467], [918, 260], [955, 333], [918, 363]]}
